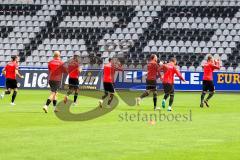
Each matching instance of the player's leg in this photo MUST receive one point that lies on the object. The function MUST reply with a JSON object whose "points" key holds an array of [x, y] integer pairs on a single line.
{"points": [[2, 95], [6, 92], [166, 94], [143, 95], [171, 99], [146, 93], [211, 93], [48, 102], [110, 100], [54, 87], [14, 95], [69, 92], [208, 98], [75, 96], [13, 86], [8, 89], [202, 98], [105, 95], [76, 88], [204, 92], [155, 100], [112, 92], [55, 102], [106, 90]]}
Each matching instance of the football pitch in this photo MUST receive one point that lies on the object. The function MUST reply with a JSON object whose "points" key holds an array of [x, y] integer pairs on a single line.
{"points": [[26, 133]]}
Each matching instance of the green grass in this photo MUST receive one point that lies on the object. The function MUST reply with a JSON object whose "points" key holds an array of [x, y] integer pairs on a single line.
{"points": [[26, 133]]}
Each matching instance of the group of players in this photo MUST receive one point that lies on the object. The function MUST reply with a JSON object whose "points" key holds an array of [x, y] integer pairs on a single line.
{"points": [[155, 70], [166, 73]]}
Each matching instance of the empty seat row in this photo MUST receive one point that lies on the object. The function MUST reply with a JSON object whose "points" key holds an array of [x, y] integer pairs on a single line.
{"points": [[194, 44], [24, 18], [201, 25], [93, 19], [204, 20]]}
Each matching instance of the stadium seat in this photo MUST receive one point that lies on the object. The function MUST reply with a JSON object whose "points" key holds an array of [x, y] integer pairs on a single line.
{"points": [[179, 28]]}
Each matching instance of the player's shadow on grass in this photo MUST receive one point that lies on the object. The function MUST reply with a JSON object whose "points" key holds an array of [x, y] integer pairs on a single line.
{"points": [[66, 115], [129, 97]]}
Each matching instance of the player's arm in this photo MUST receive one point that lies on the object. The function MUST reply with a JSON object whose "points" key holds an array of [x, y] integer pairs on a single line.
{"points": [[159, 71], [64, 67], [118, 67], [79, 69], [179, 75], [4, 71], [163, 66], [18, 74], [216, 64]]}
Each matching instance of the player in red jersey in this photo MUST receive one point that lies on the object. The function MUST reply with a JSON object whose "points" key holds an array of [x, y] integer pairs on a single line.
{"points": [[108, 80], [153, 73], [208, 85], [170, 71], [56, 70], [11, 72], [74, 71]]}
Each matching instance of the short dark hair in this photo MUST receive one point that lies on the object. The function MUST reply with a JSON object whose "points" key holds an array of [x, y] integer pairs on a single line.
{"points": [[152, 56], [209, 57], [76, 56], [14, 58], [173, 59], [109, 59]]}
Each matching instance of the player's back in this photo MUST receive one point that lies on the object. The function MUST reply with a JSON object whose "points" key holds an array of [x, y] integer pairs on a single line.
{"points": [[152, 70], [169, 73], [108, 73], [11, 70], [55, 67], [208, 69], [73, 69], [109, 70]]}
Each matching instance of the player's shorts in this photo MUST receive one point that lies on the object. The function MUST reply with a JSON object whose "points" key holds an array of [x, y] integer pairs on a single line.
{"points": [[108, 87], [151, 85], [208, 86], [168, 88], [73, 83], [11, 83], [54, 85]]}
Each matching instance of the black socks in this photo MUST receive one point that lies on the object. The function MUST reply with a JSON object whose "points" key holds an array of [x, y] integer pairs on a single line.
{"points": [[110, 99], [75, 97], [14, 96], [54, 103], [210, 96], [171, 100], [48, 102], [145, 94]]}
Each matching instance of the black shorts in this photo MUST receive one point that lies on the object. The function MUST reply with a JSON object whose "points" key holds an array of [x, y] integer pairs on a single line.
{"points": [[54, 85], [151, 85], [11, 83], [168, 88], [208, 86], [73, 83], [108, 87]]}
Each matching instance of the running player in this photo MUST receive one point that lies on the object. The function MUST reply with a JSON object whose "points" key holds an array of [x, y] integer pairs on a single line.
{"points": [[56, 70], [108, 81], [170, 70], [153, 72], [208, 84], [11, 72], [73, 73]]}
